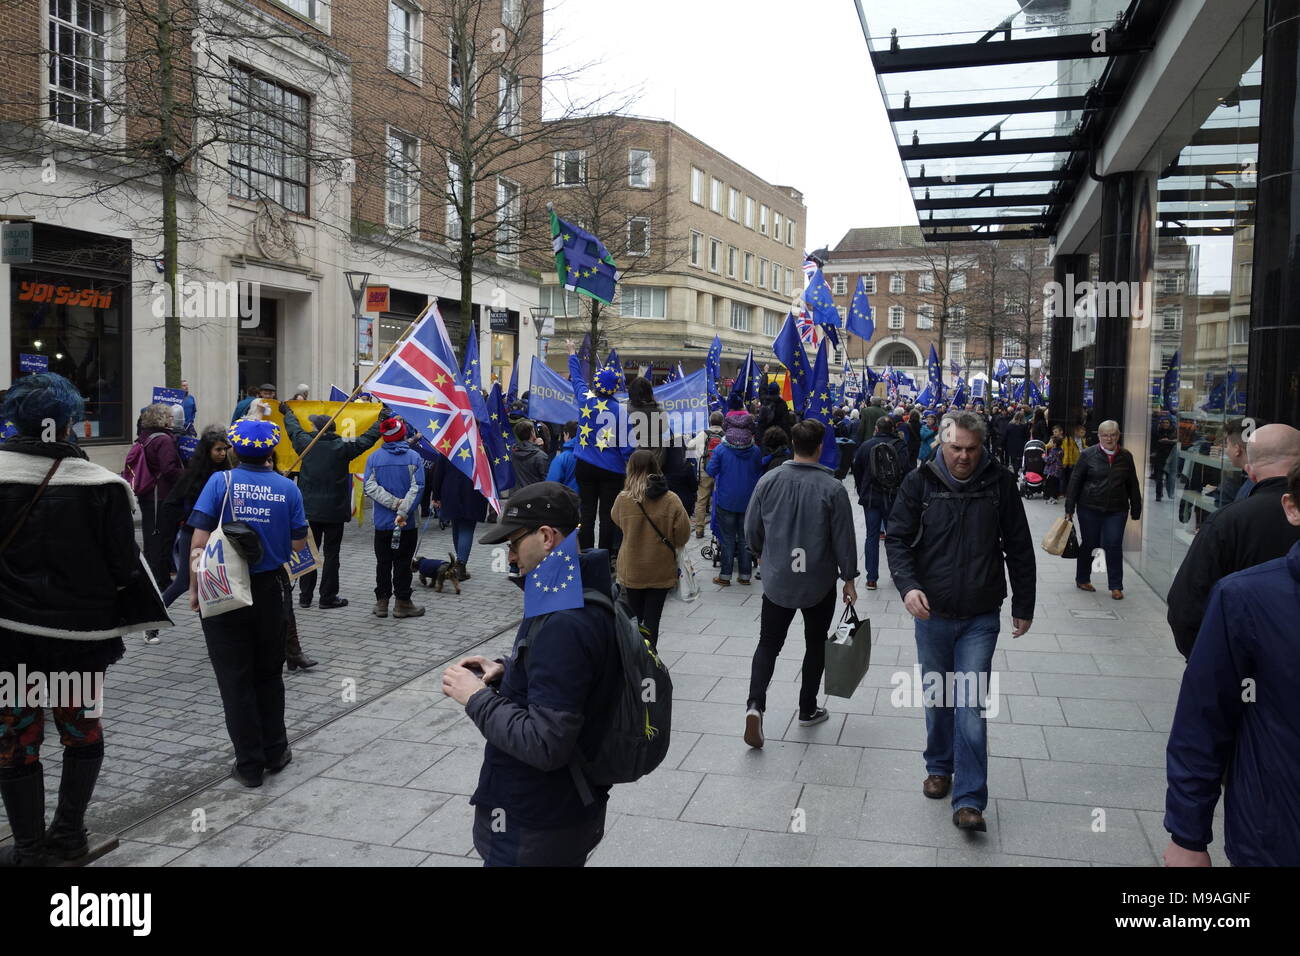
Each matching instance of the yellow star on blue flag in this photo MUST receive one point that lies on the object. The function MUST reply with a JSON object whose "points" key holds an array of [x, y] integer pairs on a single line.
{"points": [[556, 583]]}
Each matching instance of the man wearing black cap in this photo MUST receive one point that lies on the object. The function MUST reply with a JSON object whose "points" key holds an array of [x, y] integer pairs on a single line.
{"points": [[548, 698], [326, 488]]}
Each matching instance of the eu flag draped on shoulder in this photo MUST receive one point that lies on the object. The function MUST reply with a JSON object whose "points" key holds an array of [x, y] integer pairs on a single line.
{"points": [[599, 417], [556, 583], [859, 320], [788, 350], [420, 382], [819, 405]]}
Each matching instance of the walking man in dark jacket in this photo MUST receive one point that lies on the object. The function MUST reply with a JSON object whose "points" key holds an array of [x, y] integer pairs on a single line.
{"points": [[1237, 536], [326, 486], [956, 520], [1238, 713], [543, 704], [528, 457], [876, 493]]}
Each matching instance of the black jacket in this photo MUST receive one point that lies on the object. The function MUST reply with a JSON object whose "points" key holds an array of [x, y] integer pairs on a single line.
{"points": [[1096, 483], [951, 542], [871, 495], [73, 571], [323, 476], [530, 463], [774, 412], [1239, 536]]}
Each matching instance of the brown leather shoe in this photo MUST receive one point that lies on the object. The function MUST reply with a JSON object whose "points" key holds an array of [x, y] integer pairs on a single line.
{"points": [[968, 818], [1084, 587], [1117, 595], [936, 786]]}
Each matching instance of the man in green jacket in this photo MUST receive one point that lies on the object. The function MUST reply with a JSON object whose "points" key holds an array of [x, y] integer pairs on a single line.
{"points": [[867, 420], [326, 487]]}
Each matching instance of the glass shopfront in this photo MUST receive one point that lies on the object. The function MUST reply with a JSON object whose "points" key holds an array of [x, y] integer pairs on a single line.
{"points": [[1187, 355]]}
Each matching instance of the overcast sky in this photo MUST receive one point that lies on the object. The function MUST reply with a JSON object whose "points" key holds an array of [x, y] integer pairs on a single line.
{"points": [[784, 88]]}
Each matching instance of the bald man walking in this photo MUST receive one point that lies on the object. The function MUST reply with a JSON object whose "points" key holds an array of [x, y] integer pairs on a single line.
{"points": [[1240, 535]]}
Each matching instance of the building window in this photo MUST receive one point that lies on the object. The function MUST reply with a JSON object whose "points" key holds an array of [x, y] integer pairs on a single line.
{"points": [[843, 311], [733, 204], [715, 196], [638, 236], [570, 167], [1011, 347], [740, 317], [507, 219], [454, 201], [762, 273], [1171, 318], [749, 212], [838, 359], [896, 283], [772, 323], [1171, 283], [897, 356], [1245, 274], [749, 268], [642, 302], [955, 351], [789, 232], [638, 168], [925, 317], [776, 277], [840, 285], [776, 226], [456, 72], [896, 317], [306, 8], [957, 314], [508, 103], [403, 181], [268, 155], [510, 13], [697, 186], [869, 283], [78, 64], [925, 282], [733, 255], [762, 219], [1240, 330], [789, 282], [715, 255], [697, 249], [563, 305], [403, 38], [957, 281]]}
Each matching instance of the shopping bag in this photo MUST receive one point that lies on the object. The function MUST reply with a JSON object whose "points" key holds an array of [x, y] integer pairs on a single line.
{"points": [[688, 587], [1058, 535], [848, 654], [305, 561], [1071, 550], [223, 581]]}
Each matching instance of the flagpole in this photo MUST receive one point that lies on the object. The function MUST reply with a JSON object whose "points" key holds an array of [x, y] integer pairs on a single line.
{"points": [[357, 391]]}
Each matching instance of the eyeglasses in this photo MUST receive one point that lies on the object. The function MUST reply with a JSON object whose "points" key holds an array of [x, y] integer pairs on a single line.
{"points": [[514, 540]]}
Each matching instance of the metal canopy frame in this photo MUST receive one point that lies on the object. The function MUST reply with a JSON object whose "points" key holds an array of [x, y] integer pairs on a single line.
{"points": [[1069, 153]]}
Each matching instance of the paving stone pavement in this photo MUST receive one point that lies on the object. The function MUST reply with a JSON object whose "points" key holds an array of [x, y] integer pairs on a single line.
{"points": [[1076, 749], [164, 729]]}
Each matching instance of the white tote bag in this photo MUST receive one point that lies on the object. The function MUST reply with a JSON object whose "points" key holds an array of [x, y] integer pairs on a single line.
{"points": [[222, 573], [688, 587]]}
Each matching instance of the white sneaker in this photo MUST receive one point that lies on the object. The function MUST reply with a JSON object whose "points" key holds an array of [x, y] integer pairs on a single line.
{"points": [[754, 728], [151, 637]]}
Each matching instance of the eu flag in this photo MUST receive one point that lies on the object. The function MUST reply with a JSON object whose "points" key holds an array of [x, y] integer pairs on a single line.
{"points": [[859, 320], [498, 438], [585, 353], [512, 396], [581, 261], [936, 375], [788, 350], [819, 405], [744, 380], [616, 363], [470, 372], [556, 583], [819, 301], [1003, 370], [756, 378]]}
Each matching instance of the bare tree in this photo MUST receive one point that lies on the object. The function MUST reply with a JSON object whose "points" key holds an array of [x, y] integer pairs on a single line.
{"points": [[991, 316], [943, 269], [1026, 273]]}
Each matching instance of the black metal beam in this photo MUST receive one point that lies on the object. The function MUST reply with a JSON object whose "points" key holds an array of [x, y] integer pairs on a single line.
{"points": [[980, 179], [985, 221], [984, 202], [954, 110], [1204, 169], [1206, 195], [1177, 231], [990, 147], [969, 236], [1225, 136], [1229, 214], [957, 56]]}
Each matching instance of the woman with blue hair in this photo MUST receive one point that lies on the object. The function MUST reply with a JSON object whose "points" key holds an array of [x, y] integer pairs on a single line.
{"points": [[72, 582]]}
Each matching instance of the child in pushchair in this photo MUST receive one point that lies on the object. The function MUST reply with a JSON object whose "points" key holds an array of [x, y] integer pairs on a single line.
{"points": [[1031, 478]]}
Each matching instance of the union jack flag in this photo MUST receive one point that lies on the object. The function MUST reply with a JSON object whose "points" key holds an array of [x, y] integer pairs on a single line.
{"points": [[420, 382], [809, 334]]}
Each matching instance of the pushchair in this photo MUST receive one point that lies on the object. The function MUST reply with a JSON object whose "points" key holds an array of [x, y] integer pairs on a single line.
{"points": [[712, 551], [1031, 478]]}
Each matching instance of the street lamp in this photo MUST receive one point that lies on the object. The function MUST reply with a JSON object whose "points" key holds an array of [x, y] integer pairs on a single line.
{"points": [[357, 282], [540, 314]]}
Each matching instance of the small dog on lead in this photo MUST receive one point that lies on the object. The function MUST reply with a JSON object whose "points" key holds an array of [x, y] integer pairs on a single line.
{"points": [[438, 571]]}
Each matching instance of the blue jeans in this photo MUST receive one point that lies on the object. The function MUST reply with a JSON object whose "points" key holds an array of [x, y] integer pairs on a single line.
{"points": [[462, 536], [731, 539], [875, 515], [957, 736], [1104, 529]]}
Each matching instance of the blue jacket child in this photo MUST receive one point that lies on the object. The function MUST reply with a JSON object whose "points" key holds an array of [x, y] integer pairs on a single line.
{"points": [[564, 465], [394, 478]]}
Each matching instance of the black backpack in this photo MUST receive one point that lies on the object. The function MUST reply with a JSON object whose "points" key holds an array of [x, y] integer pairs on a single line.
{"points": [[887, 466], [638, 725]]}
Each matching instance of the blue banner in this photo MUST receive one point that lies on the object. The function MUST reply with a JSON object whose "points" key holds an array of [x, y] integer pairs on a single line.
{"points": [[551, 397], [687, 401], [33, 363], [167, 396]]}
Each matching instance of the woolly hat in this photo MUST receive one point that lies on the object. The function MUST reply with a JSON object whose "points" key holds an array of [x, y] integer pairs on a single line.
{"points": [[605, 381], [393, 429], [253, 437]]}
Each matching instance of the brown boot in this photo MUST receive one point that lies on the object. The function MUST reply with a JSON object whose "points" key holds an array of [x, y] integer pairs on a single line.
{"points": [[968, 818], [406, 609], [293, 655], [381, 608], [936, 786]]}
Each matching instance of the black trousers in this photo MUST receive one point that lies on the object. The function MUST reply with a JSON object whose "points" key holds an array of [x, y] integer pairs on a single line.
{"points": [[393, 565], [157, 541], [500, 843], [246, 647], [329, 539], [647, 606], [773, 626], [597, 489]]}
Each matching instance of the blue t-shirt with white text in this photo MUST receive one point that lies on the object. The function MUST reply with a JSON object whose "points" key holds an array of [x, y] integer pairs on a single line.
{"points": [[269, 503]]}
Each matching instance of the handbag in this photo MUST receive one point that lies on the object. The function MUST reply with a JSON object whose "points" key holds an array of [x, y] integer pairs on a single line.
{"points": [[1058, 535], [688, 588], [223, 580], [1071, 549], [848, 654]]}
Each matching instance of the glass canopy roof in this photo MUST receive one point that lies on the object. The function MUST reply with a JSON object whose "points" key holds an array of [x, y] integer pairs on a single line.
{"points": [[994, 103]]}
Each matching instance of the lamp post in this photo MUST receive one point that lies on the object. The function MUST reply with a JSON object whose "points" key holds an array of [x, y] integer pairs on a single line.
{"points": [[540, 314], [357, 282]]}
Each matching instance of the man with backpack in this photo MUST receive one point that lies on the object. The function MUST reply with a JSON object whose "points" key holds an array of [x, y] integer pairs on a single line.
{"points": [[546, 709], [153, 466], [878, 470], [956, 520]]}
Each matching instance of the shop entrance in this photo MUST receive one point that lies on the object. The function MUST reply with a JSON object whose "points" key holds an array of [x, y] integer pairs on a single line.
{"points": [[258, 348]]}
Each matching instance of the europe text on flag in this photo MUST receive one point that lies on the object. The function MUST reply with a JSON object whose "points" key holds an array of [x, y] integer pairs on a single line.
{"points": [[789, 352], [859, 320], [420, 381], [556, 583], [581, 261], [497, 439], [819, 405]]}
